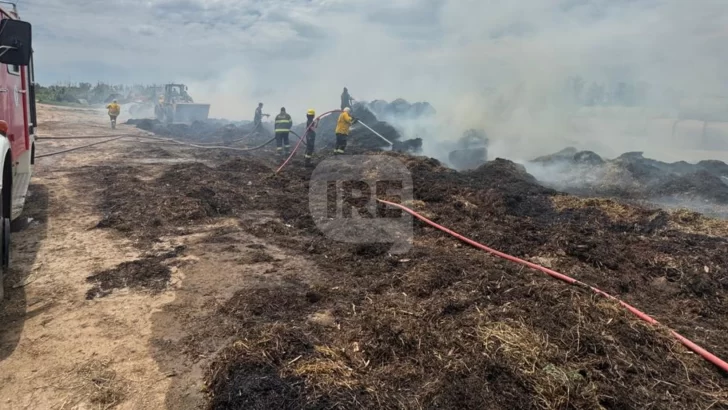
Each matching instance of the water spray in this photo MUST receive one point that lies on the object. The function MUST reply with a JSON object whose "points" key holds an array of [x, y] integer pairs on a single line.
{"points": [[376, 133]]}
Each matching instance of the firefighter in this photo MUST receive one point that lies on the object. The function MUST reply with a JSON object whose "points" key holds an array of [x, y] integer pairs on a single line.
{"points": [[283, 126], [258, 119], [114, 111], [346, 99], [311, 125], [343, 124]]}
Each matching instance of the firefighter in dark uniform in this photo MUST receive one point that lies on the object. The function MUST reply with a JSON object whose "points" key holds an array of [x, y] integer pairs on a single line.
{"points": [[283, 124], [346, 99], [258, 119]]}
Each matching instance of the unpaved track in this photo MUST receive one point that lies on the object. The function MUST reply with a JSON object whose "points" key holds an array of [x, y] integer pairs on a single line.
{"points": [[61, 351]]}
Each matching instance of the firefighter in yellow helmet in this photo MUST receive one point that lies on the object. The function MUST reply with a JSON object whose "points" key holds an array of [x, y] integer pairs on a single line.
{"points": [[283, 124], [343, 125], [114, 111], [311, 125]]}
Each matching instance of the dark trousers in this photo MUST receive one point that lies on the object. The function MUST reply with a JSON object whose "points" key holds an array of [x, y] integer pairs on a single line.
{"points": [[310, 142], [282, 139], [341, 141]]}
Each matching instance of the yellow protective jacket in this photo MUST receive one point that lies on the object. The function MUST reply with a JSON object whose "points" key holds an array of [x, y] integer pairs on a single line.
{"points": [[114, 109], [344, 123]]}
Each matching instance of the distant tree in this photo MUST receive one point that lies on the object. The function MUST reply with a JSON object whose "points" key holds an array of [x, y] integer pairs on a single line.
{"points": [[642, 91], [595, 95], [574, 88], [624, 94]]}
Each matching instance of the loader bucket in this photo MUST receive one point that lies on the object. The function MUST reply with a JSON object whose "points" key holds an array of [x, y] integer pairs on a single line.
{"points": [[464, 159], [188, 112]]}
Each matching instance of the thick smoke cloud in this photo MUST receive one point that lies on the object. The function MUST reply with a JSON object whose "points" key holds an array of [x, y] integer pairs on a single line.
{"points": [[498, 65]]}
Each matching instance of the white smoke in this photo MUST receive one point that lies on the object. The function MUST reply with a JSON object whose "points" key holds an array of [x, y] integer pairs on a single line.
{"points": [[493, 65]]}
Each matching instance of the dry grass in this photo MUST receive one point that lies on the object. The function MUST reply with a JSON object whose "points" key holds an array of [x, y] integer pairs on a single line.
{"points": [[415, 204], [94, 385], [692, 222], [104, 389], [530, 352], [682, 220], [612, 208], [515, 341], [460, 201], [326, 368]]}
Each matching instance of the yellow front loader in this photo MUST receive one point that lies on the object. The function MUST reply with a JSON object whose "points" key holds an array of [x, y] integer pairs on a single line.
{"points": [[176, 106]]}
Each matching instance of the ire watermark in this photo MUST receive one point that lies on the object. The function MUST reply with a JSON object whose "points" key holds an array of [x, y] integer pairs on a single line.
{"points": [[343, 194]]}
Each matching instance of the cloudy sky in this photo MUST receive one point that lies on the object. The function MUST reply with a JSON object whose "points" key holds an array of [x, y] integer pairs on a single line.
{"points": [[300, 53]]}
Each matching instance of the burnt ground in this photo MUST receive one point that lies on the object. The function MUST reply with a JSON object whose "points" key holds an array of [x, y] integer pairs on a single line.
{"points": [[147, 274], [444, 325]]}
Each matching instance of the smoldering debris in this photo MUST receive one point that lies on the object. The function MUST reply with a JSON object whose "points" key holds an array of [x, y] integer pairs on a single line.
{"points": [[400, 109], [361, 139], [470, 151], [631, 176], [201, 131]]}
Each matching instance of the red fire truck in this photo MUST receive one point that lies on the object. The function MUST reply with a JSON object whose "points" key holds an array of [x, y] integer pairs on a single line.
{"points": [[17, 124]]}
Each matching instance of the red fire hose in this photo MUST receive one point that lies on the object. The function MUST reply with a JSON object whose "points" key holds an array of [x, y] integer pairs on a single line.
{"points": [[300, 139], [647, 318]]}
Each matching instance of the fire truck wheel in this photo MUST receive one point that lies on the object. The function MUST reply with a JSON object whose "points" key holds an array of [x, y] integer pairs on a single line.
{"points": [[4, 248], [5, 243]]}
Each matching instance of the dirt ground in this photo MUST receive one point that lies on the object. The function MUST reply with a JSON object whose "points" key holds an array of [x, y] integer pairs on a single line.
{"points": [[155, 276], [73, 337]]}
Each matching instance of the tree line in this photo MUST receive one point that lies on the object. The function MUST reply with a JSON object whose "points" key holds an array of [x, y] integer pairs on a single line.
{"points": [[94, 94]]}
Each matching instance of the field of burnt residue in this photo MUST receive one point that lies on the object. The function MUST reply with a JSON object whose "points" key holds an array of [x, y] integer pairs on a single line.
{"points": [[447, 326]]}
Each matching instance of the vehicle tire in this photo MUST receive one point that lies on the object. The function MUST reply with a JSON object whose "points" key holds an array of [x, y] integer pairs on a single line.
{"points": [[5, 243], [4, 247]]}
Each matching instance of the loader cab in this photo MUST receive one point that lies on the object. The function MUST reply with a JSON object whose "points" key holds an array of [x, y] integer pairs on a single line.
{"points": [[176, 93]]}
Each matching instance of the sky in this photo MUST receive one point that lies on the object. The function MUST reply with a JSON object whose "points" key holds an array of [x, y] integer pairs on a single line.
{"points": [[457, 54]]}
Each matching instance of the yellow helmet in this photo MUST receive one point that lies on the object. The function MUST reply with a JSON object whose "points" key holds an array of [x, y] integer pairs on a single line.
{"points": [[311, 112]]}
